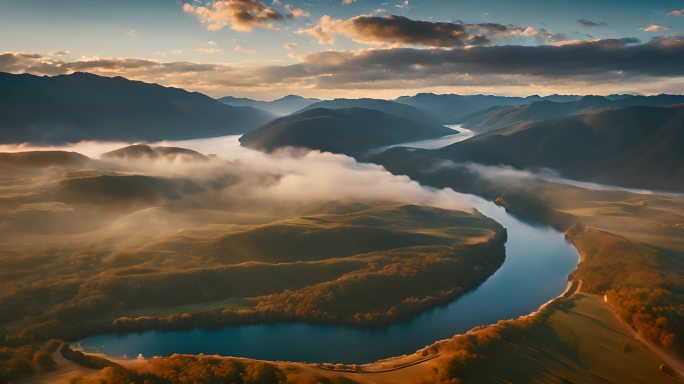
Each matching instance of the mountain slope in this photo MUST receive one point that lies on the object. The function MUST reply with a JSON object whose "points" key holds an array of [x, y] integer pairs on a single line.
{"points": [[348, 131], [386, 106], [283, 106], [83, 106], [451, 109], [508, 116], [634, 146]]}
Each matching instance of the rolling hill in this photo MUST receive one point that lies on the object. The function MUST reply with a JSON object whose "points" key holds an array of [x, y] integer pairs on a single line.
{"points": [[145, 152], [82, 106], [347, 131], [89, 249]]}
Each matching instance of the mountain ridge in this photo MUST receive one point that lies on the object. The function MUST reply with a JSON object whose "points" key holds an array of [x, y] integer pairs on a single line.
{"points": [[635, 146], [83, 106], [348, 131], [282, 106]]}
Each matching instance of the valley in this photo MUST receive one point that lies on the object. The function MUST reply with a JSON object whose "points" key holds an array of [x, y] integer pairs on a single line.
{"points": [[204, 255], [563, 205], [341, 192]]}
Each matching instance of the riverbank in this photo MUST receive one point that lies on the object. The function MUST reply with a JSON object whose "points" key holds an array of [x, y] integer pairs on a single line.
{"points": [[418, 365], [574, 338], [633, 242], [528, 278]]}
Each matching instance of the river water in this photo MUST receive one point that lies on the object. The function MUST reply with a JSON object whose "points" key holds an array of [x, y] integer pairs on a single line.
{"points": [[538, 262]]}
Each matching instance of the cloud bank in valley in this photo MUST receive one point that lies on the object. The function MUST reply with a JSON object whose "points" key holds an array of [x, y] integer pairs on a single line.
{"points": [[288, 176]]}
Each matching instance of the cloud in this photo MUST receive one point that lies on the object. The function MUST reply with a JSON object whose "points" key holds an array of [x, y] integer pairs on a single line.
{"points": [[321, 176], [589, 23], [621, 57], [404, 4], [287, 177], [210, 48], [242, 49], [290, 45], [676, 12], [240, 15], [584, 65], [295, 12], [401, 31], [656, 27], [509, 176], [394, 30]]}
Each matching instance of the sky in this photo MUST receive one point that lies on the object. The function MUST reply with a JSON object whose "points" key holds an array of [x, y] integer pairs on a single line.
{"points": [[355, 48]]}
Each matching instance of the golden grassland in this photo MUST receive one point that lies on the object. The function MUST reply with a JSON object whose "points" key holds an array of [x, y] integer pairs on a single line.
{"points": [[573, 340], [632, 244], [632, 248], [625, 325]]}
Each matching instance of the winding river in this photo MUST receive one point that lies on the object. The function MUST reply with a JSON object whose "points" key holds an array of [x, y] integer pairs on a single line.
{"points": [[538, 262], [440, 142]]}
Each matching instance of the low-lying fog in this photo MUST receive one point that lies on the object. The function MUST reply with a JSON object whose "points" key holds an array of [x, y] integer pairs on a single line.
{"points": [[507, 174], [287, 175]]}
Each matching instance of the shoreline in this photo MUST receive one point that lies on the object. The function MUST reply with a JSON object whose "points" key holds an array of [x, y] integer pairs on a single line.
{"points": [[396, 363], [671, 361], [572, 288], [423, 363]]}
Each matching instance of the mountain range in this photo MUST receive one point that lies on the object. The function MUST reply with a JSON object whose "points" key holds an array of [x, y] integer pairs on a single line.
{"points": [[452, 109], [498, 117], [283, 106], [83, 106], [637, 146]]}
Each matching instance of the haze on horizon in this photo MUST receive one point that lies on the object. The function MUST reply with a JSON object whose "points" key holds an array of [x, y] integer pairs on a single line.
{"points": [[354, 48]]}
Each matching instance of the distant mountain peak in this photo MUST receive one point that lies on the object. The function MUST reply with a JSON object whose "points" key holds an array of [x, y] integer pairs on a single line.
{"points": [[594, 97], [290, 97], [283, 106]]}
